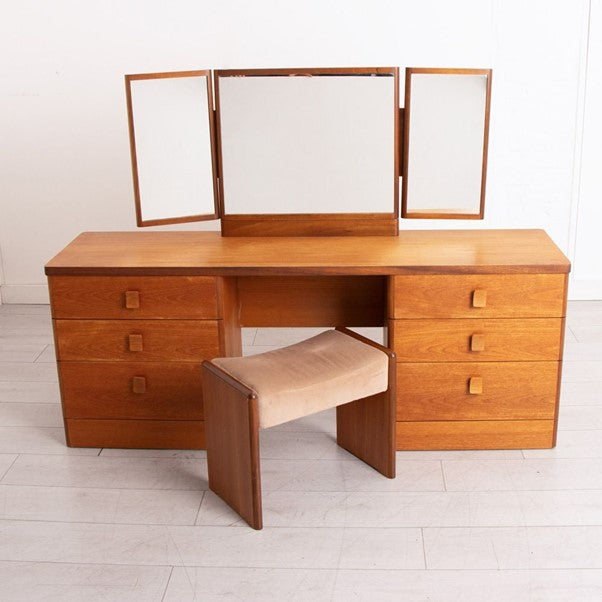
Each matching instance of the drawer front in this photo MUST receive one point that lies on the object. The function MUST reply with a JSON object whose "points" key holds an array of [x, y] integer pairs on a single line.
{"points": [[477, 296], [136, 340], [137, 434], [137, 390], [476, 340], [476, 434], [133, 297], [477, 391]]}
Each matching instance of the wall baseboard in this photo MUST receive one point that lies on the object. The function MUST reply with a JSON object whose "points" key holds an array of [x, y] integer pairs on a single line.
{"points": [[24, 293]]}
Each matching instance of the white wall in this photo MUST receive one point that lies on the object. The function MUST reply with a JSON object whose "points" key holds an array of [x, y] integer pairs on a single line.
{"points": [[1, 275], [66, 165], [587, 245]]}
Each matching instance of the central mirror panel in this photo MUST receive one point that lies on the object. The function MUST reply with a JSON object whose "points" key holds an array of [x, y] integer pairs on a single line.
{"points": [[320, 142]]}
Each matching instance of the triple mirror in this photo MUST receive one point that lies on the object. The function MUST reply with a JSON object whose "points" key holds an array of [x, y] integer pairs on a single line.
{"points": [[308, 151]]}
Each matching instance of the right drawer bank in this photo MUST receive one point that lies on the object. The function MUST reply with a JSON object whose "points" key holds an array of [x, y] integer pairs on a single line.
{"points": [[479, 359]]}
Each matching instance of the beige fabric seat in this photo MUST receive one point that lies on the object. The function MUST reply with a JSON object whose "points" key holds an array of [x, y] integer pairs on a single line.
{"points": [[317, 374], [337, 368]]}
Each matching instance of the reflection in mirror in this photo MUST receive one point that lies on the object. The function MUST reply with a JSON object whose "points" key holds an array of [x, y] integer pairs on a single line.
{"points": [[445, 143], [299, 143], [171, 124]]}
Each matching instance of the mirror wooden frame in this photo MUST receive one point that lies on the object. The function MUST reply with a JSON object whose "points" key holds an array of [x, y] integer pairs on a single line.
{"points": [[406, 144], [314, 224], [210, 116], [309, 224]]}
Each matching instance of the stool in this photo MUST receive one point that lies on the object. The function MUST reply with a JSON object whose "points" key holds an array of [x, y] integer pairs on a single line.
{"points": [[243, 394]]}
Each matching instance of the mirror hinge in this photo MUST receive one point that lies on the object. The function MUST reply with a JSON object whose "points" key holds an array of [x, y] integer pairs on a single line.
{"points": [[216, 137], [400, 139], [216, 158]]}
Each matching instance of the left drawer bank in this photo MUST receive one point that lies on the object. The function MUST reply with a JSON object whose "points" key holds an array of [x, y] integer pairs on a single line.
{"points": [[129, 350]]}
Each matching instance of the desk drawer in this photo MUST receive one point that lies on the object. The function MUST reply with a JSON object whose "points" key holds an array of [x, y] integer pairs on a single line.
{"points": [[138, 434], [477, 391], [476, 434], [476, 340], [136, 340], [133, 297], [477, 296], [132, 390]]}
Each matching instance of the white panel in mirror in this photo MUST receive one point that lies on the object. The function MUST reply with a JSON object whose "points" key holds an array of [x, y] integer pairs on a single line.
{"points": [[445, 144], [171, 130], [307, 144]]}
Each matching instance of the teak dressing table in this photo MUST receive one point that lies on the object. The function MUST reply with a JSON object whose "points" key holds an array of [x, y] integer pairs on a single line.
{"points": [[476, 318], [303, 166]]}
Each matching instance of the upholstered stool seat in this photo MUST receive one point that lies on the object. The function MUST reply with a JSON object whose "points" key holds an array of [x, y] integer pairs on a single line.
{"points": [[317, 374], [336, 368]]}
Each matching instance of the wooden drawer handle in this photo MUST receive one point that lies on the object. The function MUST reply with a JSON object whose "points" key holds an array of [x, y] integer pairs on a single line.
{"points": [[475, 385], [135, 342], [479, 297], [139, 384], [132, 299], [477, 342]]}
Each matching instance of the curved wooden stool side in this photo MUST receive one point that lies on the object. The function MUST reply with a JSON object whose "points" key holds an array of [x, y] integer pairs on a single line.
{"points": [[366, 427], [232, 438]]}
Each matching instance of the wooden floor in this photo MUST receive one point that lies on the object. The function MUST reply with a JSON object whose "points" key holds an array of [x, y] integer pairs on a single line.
{"points": [[121, 525]]}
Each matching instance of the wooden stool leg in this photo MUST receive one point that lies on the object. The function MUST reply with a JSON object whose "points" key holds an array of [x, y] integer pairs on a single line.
{"points": [[366, 427], [232, 434]]}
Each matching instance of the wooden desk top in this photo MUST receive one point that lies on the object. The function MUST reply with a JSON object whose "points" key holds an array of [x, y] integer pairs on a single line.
{"points": [[413, 251]]}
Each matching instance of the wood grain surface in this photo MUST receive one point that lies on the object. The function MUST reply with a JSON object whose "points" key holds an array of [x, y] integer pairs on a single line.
{"points": [[293, 225], [312, 300], [172, 391], [475, 434], [417, 251], [510, 391], [161, 340], [233, 462], [138, 434], [496, 296], [526, 339], [173, 297]]}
